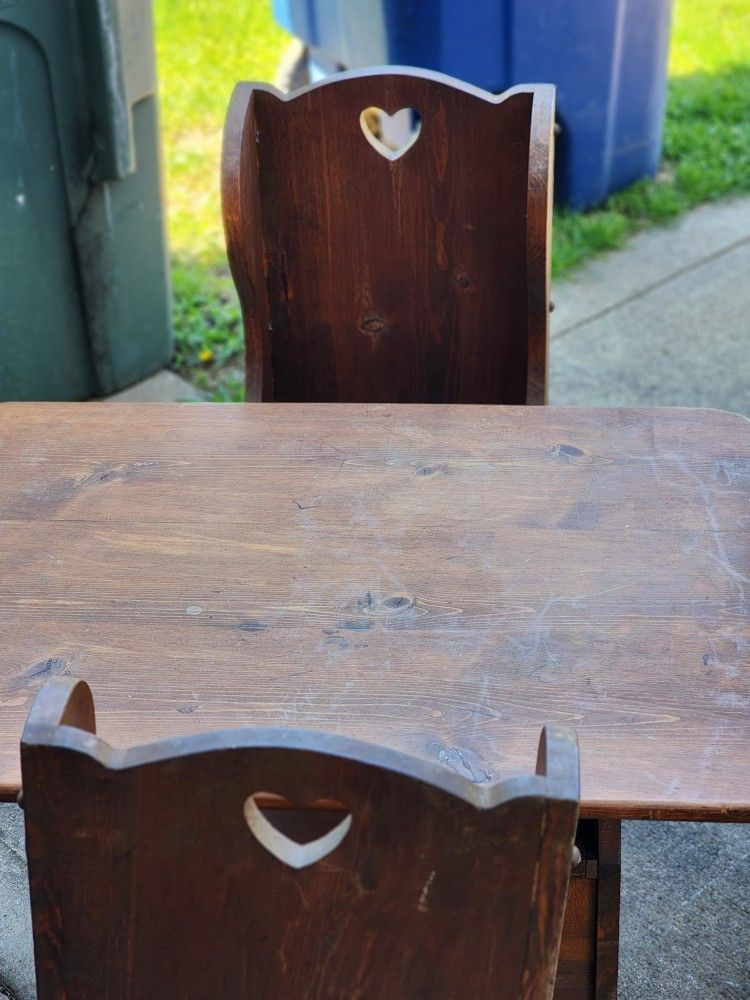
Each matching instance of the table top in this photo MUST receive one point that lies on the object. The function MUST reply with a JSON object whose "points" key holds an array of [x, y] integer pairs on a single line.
{"points": [[441, 579]]}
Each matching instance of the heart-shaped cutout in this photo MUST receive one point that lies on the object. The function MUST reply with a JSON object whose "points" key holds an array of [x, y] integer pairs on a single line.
{"points": [[284, 848], [391, 135]]}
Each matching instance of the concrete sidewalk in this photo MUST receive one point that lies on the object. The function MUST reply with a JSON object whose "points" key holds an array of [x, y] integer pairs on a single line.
{"points": [[663, 322], [165, 386]]}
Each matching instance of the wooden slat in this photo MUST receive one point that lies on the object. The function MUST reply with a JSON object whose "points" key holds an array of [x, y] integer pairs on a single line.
{"points": [[445, 580]]}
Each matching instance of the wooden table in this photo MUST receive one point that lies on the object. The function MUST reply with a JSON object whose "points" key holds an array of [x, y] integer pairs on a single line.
{"points": [[440, 579]]}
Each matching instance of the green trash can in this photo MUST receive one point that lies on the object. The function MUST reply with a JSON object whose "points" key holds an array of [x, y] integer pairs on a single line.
{"points": [[84, 289]]}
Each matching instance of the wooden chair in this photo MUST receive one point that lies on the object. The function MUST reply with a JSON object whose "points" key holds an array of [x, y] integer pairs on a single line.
{"points": [[181, 870], [412, 276]]}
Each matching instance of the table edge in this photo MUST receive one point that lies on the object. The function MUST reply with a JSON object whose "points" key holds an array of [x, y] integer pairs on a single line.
{"points": [[638, 811], [270, 406]]}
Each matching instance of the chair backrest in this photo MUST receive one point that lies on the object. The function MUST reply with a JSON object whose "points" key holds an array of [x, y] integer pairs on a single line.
{"points": [[368, 278], [180, 869]]}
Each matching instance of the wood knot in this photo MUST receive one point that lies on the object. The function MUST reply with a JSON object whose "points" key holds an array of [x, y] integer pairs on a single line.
{"points": [[397, 602], [380, 604], [566, 451], [462, 280], [431, 470], [371, 324]]}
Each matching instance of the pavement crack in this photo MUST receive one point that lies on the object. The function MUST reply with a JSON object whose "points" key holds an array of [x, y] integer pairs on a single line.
{"points": [[642, 292], [6, 845]]}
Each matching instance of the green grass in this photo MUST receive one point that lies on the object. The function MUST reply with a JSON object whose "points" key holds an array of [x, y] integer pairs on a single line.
{"points": [[207, 324], [706, 156], [204, 46]]}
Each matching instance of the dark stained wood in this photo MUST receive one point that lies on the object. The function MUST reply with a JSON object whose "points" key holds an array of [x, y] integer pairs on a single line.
{"points": [[442, 580], [147, 882], [368, 279], [588, 964], [64, 702], [608, 909], [576, 970]]}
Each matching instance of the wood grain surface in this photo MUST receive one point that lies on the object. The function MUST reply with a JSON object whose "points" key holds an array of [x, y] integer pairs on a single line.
{"points": [[440, 887], [442, 580], [369, 279]]}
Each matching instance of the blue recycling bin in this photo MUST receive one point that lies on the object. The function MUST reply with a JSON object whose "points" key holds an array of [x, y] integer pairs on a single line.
{"points": [[607, 58]]}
